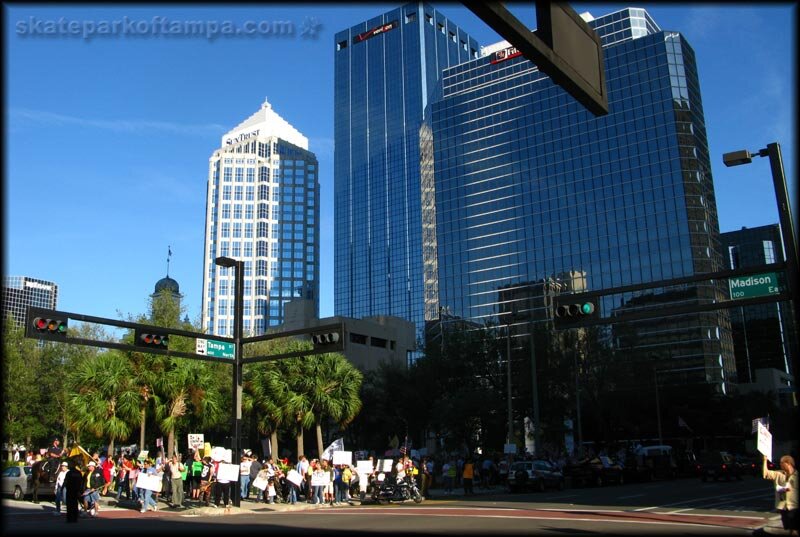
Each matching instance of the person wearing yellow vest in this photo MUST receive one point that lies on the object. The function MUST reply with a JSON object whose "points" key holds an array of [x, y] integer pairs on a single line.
{"points": [[467, 475]]}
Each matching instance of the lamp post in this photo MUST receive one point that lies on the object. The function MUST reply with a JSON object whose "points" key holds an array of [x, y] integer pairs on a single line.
{"points": [[238, 307], [508, 379], [773, 151]]}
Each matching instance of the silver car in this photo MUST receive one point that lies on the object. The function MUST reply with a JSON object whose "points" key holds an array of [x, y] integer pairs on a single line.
{"points": [[16, 480]]}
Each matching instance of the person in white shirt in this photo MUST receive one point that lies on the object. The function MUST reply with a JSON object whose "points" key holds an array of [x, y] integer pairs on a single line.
{"points": [[61, 491]]}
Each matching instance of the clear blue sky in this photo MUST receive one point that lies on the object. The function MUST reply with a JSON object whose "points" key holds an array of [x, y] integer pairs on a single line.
{"points": [[108, 138]]}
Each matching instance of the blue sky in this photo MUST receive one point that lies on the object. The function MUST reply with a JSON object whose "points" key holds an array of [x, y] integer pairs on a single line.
{"points": [[108, 138]]}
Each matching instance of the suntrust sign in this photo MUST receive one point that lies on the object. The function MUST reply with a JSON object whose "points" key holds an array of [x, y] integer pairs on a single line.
{"points": [[242, 136]]}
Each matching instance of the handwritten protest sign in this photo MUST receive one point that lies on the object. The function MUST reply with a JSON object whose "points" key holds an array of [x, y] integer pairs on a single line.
{"points": [[764, 441], [295, 477], [343, 457], [227, 472]]}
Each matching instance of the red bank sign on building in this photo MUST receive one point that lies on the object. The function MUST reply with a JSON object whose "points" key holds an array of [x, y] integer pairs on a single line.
{"points": [[375, 31]]}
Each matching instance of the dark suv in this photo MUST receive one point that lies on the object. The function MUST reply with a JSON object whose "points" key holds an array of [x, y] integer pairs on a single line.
{"points": [[718, 465]]}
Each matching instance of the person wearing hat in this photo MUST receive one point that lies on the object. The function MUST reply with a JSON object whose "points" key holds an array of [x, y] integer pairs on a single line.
{"points": [[54, 454], [61, 492], [94, 481]]}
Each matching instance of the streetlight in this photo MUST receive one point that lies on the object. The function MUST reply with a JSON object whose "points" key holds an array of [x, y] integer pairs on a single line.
{"points": [[238, 307], [773, 151]]}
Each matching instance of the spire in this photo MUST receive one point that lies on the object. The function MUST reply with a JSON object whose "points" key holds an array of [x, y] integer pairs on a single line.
{"points": [[169, 254], [266, 104]]}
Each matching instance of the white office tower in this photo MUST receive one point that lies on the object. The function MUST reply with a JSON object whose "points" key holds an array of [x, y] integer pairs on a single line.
{"points": [[262, 207]]}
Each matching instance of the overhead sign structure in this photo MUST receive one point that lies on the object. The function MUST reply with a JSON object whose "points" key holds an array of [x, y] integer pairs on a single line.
{"points": [[756, 285], [215, 349], [564, 47]]}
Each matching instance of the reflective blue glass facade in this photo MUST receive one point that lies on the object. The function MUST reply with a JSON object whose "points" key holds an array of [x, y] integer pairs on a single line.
{"points": [[528, 187], [386, 69]]}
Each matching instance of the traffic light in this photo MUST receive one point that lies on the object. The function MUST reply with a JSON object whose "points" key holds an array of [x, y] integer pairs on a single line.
{"points": [[49, 328], [326, 341], [567, 313], [151, 339]]}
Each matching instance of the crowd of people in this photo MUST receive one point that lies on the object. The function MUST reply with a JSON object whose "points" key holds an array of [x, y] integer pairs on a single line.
{"points": [[196, 480]]}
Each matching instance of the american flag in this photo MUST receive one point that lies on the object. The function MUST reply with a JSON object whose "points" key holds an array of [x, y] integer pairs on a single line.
{"points": [[406, 446]]}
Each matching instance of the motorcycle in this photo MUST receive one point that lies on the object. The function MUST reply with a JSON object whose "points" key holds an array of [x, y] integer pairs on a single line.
{"points": [[386, 489]]}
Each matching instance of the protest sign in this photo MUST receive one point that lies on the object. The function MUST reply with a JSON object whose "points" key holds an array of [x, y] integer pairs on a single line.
{"points": [[196, 441], [343, 457], [320, 479], [149, 482], [364, 467], [261, 482], [228, 472], [764, 441], [295, 477]]}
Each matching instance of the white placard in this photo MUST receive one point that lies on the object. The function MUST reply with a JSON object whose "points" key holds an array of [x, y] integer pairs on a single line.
{"points": [[228, 456], [295, 477], [384, 465], [343, 457], [218, 453], [196, 441], [261, 483], [228, 472], [364, 467], [149, 482], [509, 448], [142, 455], [320, 479], [764, 441]]}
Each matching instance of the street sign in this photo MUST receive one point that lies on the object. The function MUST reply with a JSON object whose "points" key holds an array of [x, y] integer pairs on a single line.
{"points": [[215, 349], [754, 286]]}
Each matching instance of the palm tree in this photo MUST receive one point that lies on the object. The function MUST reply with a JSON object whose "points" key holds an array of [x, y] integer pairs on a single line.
{"points": [[332, 385], [270, 402], [104, 400]]}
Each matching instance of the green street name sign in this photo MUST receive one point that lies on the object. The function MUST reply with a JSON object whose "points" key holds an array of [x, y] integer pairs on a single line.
{"points": [[754, 286], [215, 349]]}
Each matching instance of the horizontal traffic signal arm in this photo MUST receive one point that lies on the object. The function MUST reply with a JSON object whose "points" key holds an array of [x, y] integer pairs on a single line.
{"points": [[335, 327], [595, 296], [34, 312]]}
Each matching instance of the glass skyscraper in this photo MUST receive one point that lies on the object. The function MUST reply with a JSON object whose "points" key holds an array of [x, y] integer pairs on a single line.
{"points": [[386, 69], [262, 207], [528, 195], [19, 292]]}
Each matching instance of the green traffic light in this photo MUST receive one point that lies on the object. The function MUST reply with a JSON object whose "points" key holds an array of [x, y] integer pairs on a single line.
{"points": [[587, 308]]}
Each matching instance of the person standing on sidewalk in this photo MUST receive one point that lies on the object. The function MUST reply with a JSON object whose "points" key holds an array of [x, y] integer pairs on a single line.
{"points": [[61, 492], [244, 475], [787, 490], [467, 475], [175, 469], [74, 484]]}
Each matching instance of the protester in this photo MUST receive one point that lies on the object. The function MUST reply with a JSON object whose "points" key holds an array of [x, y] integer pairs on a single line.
{"points": [[61, 491], [786, 491], [148, 502], [175, 469], [94, 481], [74, 485]]}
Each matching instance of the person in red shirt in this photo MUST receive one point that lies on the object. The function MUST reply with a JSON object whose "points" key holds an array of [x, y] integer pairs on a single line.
{"points": [[108, 473]]}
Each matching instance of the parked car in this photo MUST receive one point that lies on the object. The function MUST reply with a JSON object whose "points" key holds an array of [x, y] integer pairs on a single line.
{"points": [[718, 465], [18, 482], [597, 471], [537, 474], [651, 462]]}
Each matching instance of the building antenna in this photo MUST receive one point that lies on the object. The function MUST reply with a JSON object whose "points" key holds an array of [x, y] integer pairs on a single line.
{"points": [[169, 254]]}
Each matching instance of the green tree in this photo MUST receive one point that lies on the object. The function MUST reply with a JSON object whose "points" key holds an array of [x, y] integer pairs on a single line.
{"points": [[332, 385], [103, 400], [21, 423]]}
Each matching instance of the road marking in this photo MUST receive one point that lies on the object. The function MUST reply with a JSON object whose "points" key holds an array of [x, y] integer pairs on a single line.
{"points": [[679, 511], [646, 508]]}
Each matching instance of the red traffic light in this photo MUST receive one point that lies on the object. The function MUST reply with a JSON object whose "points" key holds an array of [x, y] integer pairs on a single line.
{"points": [[149, 339], [52, 326]]}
